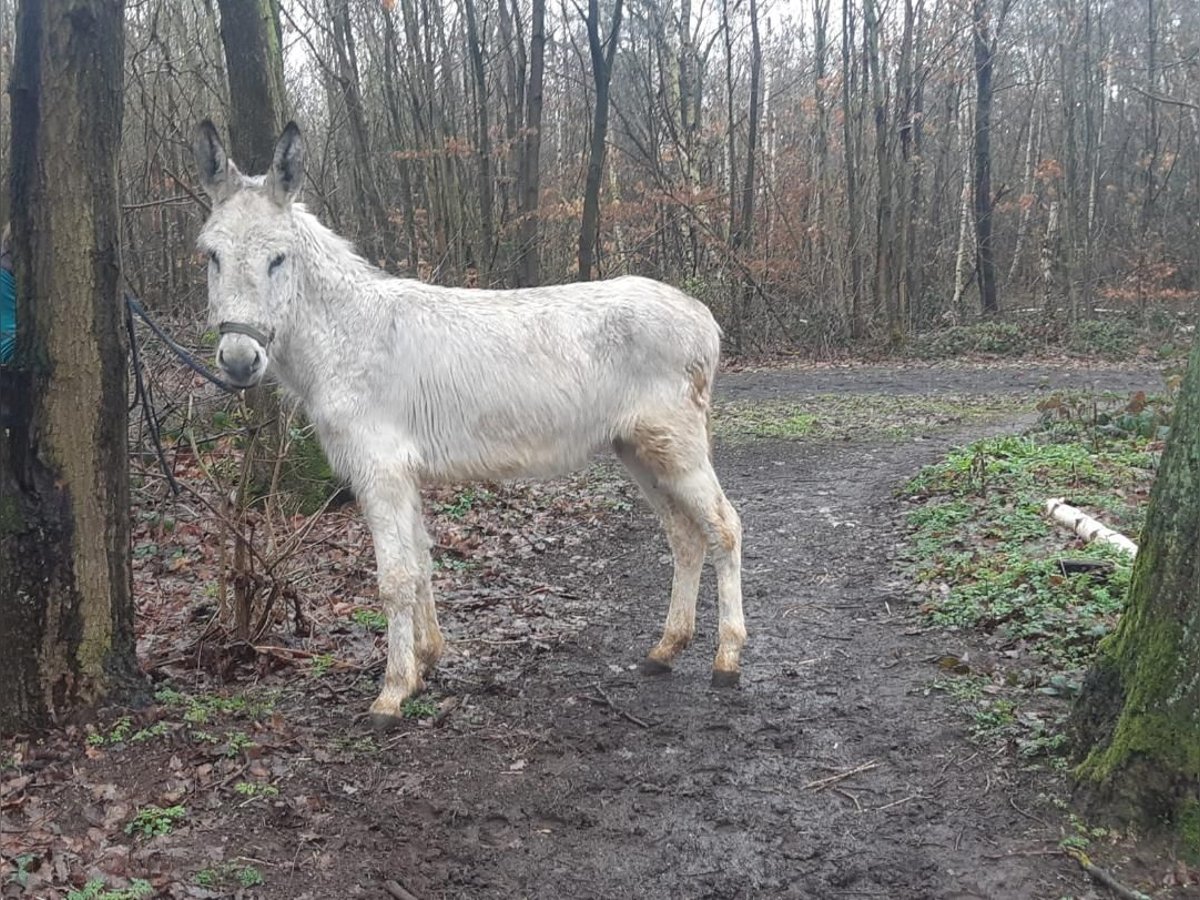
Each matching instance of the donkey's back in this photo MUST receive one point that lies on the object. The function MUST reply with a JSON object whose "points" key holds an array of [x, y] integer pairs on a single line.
{"points": [[534, 381]]}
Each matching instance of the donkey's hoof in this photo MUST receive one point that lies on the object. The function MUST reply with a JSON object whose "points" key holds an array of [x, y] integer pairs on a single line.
{"points": [[721, 679], [383, 722], [652, 666]]}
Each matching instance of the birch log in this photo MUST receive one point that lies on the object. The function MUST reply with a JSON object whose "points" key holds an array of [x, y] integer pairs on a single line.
{"points": [[1086, 527]]}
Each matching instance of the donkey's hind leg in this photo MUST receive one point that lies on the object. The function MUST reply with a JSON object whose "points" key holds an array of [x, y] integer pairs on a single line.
{"points": [[674, 450], [428, 643], [699, 494], [687, 549]]}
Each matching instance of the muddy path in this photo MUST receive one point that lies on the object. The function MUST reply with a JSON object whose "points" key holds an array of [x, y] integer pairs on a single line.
{"points": [[562, 773]]}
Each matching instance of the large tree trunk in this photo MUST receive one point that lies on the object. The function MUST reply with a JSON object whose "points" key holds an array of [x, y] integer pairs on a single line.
{"points": [[1137, 722], [254, 60], [603, 54], [66, 607]]}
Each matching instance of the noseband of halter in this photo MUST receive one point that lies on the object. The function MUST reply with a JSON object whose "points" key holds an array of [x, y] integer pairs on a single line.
{"points": [[264, 340]]}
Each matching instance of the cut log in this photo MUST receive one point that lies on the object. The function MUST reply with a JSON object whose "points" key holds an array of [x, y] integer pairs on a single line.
{"points": [[1086, 527]]}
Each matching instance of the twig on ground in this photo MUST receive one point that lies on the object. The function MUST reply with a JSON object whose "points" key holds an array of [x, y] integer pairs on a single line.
{"points": [[1104, 877], [1030, 816], [896, 802], [397, 890], [822, 783], [849, 796], [605, 700]]}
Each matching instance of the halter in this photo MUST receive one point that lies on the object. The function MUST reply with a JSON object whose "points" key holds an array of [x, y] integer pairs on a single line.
{"points": [[264, 340]]}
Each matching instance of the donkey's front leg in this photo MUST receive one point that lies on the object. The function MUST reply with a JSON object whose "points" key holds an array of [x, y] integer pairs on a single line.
{"points": [[390, 508]]}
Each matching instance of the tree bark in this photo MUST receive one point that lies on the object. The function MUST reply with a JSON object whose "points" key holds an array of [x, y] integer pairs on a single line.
{"points": [[1137, 722], [66, 606], [603, 54]]}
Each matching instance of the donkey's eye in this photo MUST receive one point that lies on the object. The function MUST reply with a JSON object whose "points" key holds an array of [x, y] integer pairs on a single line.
{"points": [[275, 264], [212, 258]]}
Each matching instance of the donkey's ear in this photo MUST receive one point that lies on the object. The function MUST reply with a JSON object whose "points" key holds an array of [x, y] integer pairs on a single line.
{"points": [[218, 176], [287, 167]]}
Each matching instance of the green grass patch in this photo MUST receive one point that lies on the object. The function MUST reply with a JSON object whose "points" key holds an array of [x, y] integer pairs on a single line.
{"points": [[98, 889], [202, 709], [419, 708], [370, 619], [849, 416], [980, 542], [228, 875], [152, 821]]}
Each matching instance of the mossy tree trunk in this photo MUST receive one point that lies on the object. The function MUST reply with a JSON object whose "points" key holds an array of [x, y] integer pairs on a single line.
{"points": [[1137, 721], [66, 607]]}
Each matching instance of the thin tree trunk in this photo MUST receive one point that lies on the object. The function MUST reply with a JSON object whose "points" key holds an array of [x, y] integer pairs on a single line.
{"points": [[743, 238], [852, 123], [483, 143], [964, 215], [602, 55], [884, 293], [1032, 145], [908, 124], [817, 214], [1050, 245], [984, 47], [378, 243], [66, 606], [1152, 128], [529, 165]]}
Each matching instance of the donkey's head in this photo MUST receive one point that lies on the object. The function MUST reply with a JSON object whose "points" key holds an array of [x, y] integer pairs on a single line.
{"points": [[249, 238]]}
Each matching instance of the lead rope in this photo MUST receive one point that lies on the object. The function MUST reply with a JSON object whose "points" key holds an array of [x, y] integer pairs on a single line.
{"points": [[142, 391]]}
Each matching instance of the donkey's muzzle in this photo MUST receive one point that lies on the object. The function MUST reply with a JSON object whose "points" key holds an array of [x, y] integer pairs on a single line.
{"points": [[242, 360]]}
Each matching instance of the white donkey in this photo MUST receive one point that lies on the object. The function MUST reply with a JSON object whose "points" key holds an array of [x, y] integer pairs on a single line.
{"points": [[408, 383]]}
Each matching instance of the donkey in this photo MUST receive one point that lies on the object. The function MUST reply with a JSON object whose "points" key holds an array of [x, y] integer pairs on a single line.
{"points": [[408, 383]]}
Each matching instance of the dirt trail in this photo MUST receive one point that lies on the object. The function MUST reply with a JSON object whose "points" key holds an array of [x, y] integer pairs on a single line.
{"points": [[567, 775]]}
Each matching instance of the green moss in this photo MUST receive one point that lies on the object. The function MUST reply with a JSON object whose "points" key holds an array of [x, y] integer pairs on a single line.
{"points": [[11, 520], [1189, 830], [1147, 654]]}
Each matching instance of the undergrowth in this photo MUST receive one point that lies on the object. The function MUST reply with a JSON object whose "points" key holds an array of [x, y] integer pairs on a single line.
{"points": [[989, 562]]}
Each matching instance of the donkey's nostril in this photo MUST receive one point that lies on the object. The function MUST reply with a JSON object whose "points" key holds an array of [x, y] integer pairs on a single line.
{"points": [[256, 362], [221, 357]]}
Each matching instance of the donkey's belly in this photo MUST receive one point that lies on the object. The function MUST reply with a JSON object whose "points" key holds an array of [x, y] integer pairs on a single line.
{"points": [[496, 457]]}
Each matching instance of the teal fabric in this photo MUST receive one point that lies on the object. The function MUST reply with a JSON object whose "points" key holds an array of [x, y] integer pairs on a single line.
{"points": [[8, 315]]}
